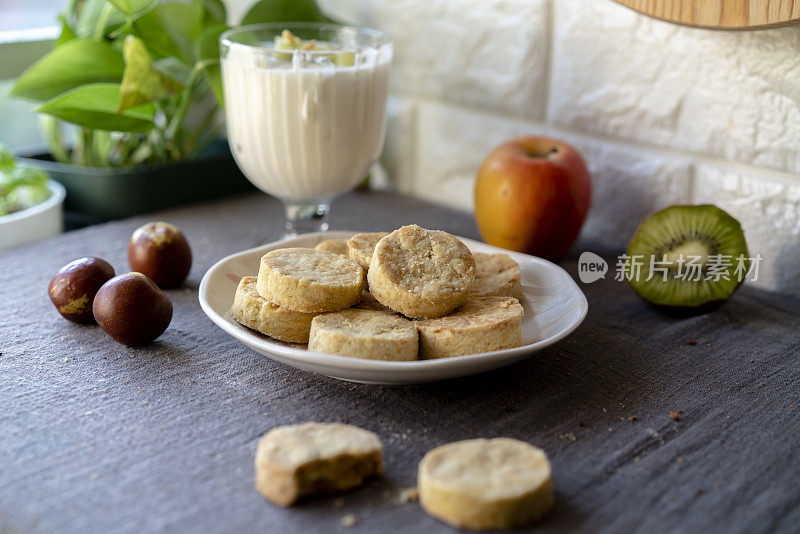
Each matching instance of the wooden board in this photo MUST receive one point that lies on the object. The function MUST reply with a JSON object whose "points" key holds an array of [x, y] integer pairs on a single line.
{"points": [[721, 14]]}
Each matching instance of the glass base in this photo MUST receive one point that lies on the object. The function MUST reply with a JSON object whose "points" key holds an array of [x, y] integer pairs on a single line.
{"points": [[304, 217]]}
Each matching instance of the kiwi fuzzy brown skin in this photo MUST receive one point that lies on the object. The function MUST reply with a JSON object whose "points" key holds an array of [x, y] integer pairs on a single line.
{"points": [[730, 239], [161, 252], [73, 288], [132, 309]]}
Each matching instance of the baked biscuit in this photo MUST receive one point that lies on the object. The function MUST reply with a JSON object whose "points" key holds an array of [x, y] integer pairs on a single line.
{"points": [[337, 246], [421, 273], [309, 280], [361, 246], [482, 324], [368, 302], [485, 484], [313, 458], [368, 334], [254, 311], [496, 275]]}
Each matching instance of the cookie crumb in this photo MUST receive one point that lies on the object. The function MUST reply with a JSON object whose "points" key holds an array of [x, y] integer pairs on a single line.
{"points": [[691, 341], [675, 415], [633, 419], [408, 495], [349, 520]]}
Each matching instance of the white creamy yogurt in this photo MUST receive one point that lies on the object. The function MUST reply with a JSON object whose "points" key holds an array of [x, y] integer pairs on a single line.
{"points": [[305, 132]]}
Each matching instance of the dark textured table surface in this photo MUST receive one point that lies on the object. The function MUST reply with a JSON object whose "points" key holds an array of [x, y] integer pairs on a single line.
{"points": [[96, 437]]}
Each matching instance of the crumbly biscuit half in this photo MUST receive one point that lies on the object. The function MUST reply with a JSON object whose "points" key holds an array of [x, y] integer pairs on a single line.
{"points": [[485, 484], [421, 273], [496, 275], [254, 311], [315, 458], [482, 324], [367, 334], [309, 280], [337, 246], [361, 246]]}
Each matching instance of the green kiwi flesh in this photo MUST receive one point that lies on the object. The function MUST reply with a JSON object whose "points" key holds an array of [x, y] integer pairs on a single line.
{"points": [[671, 236]]}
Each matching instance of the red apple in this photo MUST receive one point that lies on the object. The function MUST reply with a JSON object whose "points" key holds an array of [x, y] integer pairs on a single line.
{"points": [[532, 195]]}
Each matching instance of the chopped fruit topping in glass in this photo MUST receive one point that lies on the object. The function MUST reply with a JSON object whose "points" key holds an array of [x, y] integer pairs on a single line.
{"points": [[289, 41]]}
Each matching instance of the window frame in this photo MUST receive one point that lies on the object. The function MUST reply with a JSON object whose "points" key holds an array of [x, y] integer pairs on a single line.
{"points": [[19, 49]]}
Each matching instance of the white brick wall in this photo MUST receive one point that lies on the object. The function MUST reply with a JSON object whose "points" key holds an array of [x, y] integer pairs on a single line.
{"points": [[465, 51], [729, 94], [663, 114]]}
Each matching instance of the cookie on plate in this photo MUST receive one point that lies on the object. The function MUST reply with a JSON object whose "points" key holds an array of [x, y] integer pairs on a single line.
{"points": [[485, 484], [421, 273], [496, 275], [482, 324], [315, 458], [254, 311], [337, 246], [361, 246], [368, 334], [310, 280], [368, 302]]}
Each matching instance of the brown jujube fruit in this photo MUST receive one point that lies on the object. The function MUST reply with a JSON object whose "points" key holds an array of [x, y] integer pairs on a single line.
{"points": [[132, 309], [73, 288], [160, 251]]}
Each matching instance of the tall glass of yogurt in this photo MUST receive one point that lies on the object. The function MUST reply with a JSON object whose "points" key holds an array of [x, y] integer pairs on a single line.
{"points": [[305, 106]]}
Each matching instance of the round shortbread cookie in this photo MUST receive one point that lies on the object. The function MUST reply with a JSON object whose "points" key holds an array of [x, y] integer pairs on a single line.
{"points": [[309, 280], [337, 246], [312, 458], [496, 275], [368, 302], [485, 484], [254, 311], [421, 273], [482, 324], [367, 334], [361, 246]]}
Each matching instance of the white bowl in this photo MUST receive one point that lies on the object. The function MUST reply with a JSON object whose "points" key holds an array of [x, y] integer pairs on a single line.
{"points": [[37, 222], [554, 307]]}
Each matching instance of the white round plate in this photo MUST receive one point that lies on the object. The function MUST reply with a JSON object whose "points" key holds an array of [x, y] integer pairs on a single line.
{"points": [[554, 307]]}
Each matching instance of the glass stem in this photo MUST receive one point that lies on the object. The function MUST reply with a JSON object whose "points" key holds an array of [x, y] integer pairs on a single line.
{"points": [[304, 217]]}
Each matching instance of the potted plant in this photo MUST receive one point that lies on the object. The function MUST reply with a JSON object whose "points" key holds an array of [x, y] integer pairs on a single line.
{"points": [[130, 100]]}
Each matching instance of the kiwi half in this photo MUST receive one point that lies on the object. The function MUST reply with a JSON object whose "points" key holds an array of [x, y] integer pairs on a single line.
{"points": [[668, 239]]}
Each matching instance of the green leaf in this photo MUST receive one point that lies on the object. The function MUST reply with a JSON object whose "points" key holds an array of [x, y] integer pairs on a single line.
{"points": [[141, 83], [170, 29], [66, 31], [131, 7], [207, 45], [214, 11], [95, 106], [73, 63], [207, 48], [50, 128], [174, 68], [89, 16], [285, 11]]}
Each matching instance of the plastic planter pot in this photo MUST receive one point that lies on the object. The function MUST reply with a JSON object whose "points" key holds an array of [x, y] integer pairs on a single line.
{"points": [[97, 194]]}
